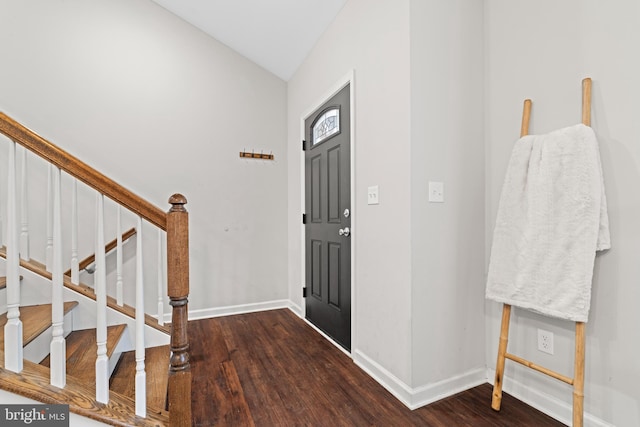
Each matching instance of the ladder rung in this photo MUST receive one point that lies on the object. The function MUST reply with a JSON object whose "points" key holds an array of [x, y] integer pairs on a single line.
{"points": [[539, 368]]}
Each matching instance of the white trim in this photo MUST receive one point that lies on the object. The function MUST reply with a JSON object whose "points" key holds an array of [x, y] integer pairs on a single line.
{"points": [[433, 392], [347, 79], [550, 405], [297, 310], [415, 398], [233, 309]]}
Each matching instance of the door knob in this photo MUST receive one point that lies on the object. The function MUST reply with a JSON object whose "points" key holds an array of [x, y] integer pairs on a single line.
{"points": [[344, 232]]}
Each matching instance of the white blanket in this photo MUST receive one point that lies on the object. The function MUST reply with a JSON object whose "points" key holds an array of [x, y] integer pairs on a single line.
{"points": [[552, 218]]}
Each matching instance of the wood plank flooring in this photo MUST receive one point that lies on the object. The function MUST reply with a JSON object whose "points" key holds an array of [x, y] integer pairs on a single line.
{"points": [[272, 369]]}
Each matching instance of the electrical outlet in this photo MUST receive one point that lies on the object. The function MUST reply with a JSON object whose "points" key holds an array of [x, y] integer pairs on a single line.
{"points": [[436, 192], [545, 341]]}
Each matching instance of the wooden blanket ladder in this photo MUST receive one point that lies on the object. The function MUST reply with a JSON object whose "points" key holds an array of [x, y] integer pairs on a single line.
{"points": [[578, 373]]}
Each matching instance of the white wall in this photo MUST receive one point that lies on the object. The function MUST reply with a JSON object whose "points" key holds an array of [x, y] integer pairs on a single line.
{"points": [[372, 39], [418, 70], [160, 107], [447, 145], [541, 50]]}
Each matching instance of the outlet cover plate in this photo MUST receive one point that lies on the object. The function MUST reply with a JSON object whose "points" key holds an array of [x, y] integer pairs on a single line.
{"points": [[545, 341], [372, 195], [436, 192]]}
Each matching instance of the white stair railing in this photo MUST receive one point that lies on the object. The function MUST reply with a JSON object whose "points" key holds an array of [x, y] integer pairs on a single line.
{"points": [[141, 376], [49, 248], [58, 352], [160, 262], [13, 352], [24, 213], [119, 284], [75, 269], [102, 361]]}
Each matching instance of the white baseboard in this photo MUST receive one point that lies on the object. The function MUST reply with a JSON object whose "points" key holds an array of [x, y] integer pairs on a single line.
{"points": [[233, 309], [393, 384], [296, 309], [415, 398], [430, 393], [550, 405]]}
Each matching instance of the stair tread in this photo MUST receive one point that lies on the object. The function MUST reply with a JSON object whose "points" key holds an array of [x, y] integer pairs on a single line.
{"points": [[35, 320], [33, 383], [40, 269], [3, 282], [82, 349], [157, 371]]}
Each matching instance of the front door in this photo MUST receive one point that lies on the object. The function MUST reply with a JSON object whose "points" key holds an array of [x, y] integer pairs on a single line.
{"points": [[328, 218]]}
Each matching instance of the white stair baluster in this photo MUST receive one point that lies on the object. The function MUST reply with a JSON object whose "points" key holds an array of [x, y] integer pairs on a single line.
{"points": [[119, 290], [102, 361], [58, 346], [160, 280], [24, 214], [13, 352], [75, 268], [141, 376], [49, 250]]}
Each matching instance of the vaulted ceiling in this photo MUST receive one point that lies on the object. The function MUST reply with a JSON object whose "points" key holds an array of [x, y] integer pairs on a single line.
{"points": [[275, 34]]}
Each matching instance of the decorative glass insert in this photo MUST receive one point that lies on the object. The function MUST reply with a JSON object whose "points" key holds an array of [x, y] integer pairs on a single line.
{"points": [[328, 124]]}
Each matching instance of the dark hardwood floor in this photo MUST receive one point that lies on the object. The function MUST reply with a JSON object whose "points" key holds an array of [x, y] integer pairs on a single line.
{"points": [[272, 369]]}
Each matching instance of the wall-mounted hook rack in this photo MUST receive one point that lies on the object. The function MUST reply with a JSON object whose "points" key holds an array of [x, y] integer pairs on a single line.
{"points": [[254, 155]]}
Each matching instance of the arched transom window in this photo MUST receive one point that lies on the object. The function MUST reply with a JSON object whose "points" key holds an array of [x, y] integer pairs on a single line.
{"points": [[328, 124]]}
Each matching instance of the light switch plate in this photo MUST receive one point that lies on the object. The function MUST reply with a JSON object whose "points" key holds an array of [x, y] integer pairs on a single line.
{"points": [[372, 195], [436, 192]]}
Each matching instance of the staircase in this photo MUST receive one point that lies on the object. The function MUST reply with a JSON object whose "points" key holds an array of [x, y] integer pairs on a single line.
{"points": [[34, 379], [65, 341]]}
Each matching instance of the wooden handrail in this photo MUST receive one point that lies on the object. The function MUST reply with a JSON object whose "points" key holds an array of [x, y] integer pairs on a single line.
{"points": [[179, 391], [108, 248], [81, 171]]}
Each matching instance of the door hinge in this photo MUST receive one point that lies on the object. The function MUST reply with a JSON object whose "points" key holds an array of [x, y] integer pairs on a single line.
{"points": [[304, 218], [304, 145], [304, 292]]}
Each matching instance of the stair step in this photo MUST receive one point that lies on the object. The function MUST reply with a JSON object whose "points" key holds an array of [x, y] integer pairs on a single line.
{"points": [[3, 282], [82, 349], [87, 291], [35, 320], [33, 383], [156, 366]]}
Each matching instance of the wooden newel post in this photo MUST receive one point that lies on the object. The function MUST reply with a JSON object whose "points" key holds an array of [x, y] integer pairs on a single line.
{"points": [[179, 392]]}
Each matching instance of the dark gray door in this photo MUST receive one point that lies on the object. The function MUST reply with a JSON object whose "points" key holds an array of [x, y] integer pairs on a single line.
{"points": [[328, 218]]}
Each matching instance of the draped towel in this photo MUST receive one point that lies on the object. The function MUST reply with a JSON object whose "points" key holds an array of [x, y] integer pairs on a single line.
{"points": [[552, 218]]}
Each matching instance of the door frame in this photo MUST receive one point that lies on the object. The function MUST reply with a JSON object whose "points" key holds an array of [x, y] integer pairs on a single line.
{"points": [[347, 79]]}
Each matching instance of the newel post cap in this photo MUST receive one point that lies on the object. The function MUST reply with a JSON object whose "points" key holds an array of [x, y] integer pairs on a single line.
{"points": [[177, 202]]}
